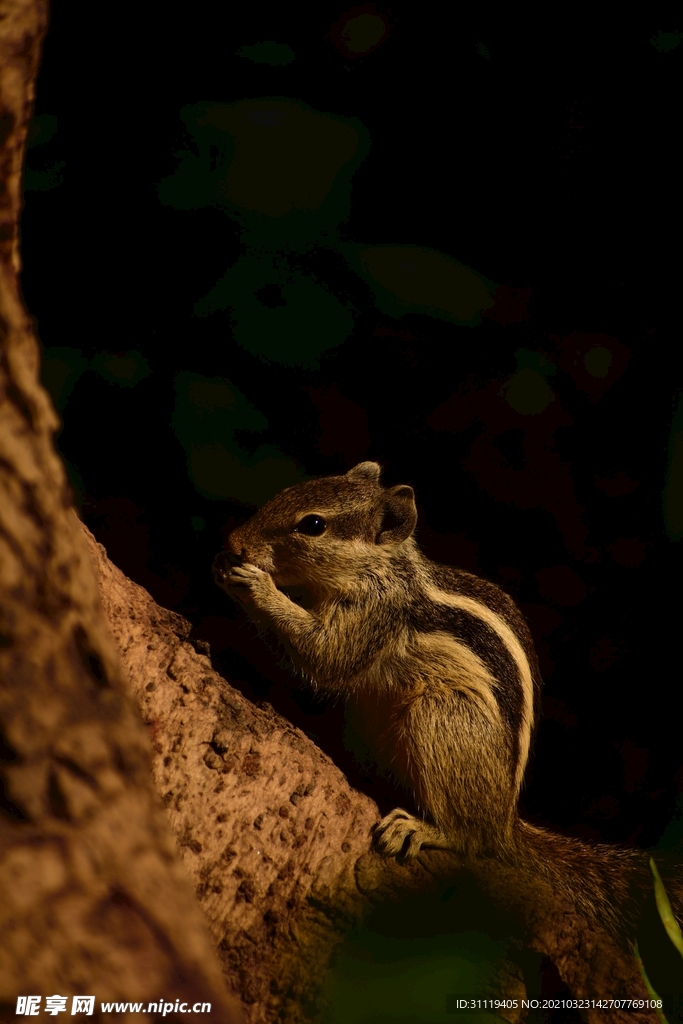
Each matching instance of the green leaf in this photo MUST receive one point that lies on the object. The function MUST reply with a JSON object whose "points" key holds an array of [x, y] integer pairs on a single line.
{"points": [[665, 911], [650, 991]]}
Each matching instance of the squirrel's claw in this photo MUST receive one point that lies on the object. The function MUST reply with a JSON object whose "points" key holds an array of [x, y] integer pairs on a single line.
{"points": [[397, 835]]}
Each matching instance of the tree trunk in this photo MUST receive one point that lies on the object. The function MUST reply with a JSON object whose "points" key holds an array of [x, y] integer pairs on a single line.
{"points": [[93, 899]]}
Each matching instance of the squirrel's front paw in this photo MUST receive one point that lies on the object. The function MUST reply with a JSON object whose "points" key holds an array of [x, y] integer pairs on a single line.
{"points": [[399, 834], [245, 582]]}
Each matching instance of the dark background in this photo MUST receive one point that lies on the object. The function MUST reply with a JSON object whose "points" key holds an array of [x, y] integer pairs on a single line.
{"points": [[544, 156]]}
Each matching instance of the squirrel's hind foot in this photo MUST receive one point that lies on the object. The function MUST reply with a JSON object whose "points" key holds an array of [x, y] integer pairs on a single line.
{"points": [[402, 835]]}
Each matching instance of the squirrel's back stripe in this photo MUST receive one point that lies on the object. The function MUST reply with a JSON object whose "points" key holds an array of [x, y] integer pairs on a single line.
{"points": [[478, 636], [454, 664], [514, 648]]}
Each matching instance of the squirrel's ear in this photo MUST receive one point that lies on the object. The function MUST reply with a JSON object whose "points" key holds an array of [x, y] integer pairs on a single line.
{"points": [[399, 516], [365, 471]]}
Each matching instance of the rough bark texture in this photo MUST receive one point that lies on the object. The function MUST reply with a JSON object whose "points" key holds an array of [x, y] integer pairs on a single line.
{"points": [[22, 27], [278, 844], [93, 899], [267, 827]]}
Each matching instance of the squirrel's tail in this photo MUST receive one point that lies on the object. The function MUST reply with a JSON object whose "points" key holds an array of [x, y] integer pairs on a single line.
{"points": [[580, 904], [605, 884]]}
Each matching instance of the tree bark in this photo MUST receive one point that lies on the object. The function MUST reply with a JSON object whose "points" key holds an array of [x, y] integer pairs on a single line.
{"points": [[267, 827], [93, 900]]}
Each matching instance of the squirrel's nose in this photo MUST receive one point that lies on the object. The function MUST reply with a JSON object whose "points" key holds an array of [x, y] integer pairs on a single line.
{"points": [[222, 564], [225, 559], [234, 547]]}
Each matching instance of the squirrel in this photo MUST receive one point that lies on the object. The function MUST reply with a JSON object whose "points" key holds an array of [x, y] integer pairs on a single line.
{"points": [[437, 667]]}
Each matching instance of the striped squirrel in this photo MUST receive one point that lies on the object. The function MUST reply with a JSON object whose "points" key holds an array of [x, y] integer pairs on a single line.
{"points": [[437, 667]]}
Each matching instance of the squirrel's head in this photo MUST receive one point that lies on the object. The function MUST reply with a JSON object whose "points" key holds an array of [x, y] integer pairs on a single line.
{"points": [[324, 533]]}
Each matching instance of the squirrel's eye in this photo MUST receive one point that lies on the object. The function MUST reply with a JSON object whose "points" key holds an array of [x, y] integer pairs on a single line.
{"points": [[312, 526]]}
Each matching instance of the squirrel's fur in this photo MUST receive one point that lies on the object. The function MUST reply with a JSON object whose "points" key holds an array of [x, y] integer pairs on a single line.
{"points": [[438, 668]]}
